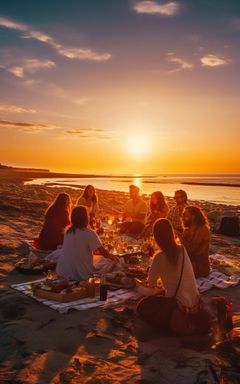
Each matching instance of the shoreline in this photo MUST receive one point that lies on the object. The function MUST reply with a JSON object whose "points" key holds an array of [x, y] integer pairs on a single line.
{"points": [[22, 177], [35, 174], [211, 184]]}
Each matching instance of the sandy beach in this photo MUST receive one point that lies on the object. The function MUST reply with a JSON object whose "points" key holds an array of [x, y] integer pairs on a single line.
{"points": [[39, 345]]}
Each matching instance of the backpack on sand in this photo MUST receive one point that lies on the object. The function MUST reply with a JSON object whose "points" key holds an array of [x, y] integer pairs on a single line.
{"points": [[230, 226]]}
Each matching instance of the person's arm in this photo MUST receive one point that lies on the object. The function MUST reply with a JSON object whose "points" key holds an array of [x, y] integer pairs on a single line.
{"points": [[95, 209], [78, 202], [154, 271], [104, 252], [126, 212], [65, 219], [96, 246], [170, 213]]}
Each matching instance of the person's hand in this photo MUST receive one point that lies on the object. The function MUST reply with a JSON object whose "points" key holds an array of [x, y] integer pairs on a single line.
{"points": [[111, 257]]}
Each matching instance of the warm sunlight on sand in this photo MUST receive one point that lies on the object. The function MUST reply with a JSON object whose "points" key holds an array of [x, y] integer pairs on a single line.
{"points": [[138, 145]]}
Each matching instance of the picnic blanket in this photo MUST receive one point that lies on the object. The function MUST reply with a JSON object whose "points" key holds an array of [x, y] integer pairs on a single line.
{"points": [[216, 279], [114, 297]]}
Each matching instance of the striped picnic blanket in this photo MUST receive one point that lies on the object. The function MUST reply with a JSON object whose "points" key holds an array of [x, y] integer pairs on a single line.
{"points": [[114, 297], [216, 279]]}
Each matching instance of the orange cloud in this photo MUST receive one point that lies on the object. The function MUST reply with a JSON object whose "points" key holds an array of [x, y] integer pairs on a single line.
{"points": [[90, 133], [26, 127], [154, 8], [10, 108], [213, 61]]}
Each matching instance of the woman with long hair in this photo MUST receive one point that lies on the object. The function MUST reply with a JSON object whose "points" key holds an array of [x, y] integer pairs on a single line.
{"points": [[76, 259], [89, 199], [158, 206], [57, 218], [173, 267], [158, 210], [167, 263]]}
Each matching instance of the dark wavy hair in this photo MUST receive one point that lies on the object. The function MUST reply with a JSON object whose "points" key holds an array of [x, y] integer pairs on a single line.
{"points": [[61, 203], [161, 202], [85, 193], [199, 216], [183, 193], [79, 219], [165, 238]]}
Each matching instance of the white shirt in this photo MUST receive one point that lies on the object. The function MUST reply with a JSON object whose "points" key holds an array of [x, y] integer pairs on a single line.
{"points": [[169, 273], [92, 209], [138, 208], [76, 260]]}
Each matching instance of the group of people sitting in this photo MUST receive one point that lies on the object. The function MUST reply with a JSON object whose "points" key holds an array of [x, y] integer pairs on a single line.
{"points": [[179, 232], [189, 223], [72, 229]]}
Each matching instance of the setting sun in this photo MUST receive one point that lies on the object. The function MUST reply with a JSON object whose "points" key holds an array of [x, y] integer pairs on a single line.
{"points": [[138, 145]]}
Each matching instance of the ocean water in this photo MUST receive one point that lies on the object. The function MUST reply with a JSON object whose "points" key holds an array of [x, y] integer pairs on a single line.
{"points": [[167, 184]]}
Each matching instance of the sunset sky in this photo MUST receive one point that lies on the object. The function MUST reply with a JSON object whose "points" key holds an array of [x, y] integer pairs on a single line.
{"points": [[120, 86]]}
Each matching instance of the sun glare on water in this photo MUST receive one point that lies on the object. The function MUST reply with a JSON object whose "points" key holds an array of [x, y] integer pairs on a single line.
{"points": [[138, 145]]}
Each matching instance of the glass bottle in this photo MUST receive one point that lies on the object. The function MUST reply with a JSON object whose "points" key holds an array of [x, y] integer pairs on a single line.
{"points": [[103, 289], [229, 314]]}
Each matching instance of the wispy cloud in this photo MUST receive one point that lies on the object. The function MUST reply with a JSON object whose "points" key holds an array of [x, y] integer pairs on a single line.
{"points": [[212, 60], [29, 66], [25, 126], [180, 63], [69, 52], [82, 100], [57, 91], [38, 36], [82, 53], [90, 133], [12, 24], [155, 8], [10, 108]]}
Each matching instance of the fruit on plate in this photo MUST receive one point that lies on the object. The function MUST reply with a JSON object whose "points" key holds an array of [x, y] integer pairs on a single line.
{"points": [[118, 278], [133, 259], [136, 271]]}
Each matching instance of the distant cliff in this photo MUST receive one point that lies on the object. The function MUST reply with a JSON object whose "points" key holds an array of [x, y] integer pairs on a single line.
{"points": [[8, 167]]}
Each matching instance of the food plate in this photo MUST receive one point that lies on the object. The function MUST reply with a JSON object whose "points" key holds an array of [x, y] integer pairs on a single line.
{"points": [[34, 270], [119, 280], [63, 298], [136, 271], [63, 290], [132, 258]]}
